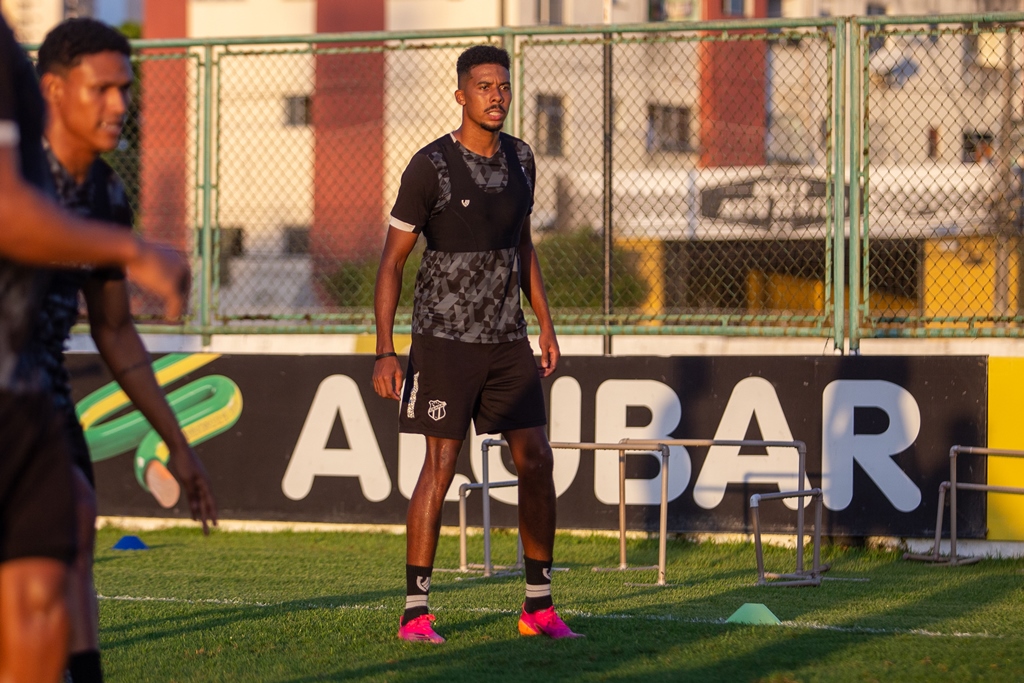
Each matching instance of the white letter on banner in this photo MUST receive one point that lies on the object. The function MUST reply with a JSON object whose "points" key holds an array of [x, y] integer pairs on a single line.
{"points": [[566, 410], [566, 404], [412, 453], [337, 395], [752, 398], [840, 447], [613, 398]]}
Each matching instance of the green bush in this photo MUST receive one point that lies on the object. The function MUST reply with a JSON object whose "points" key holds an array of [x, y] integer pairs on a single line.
{"points": [[352, 284], [572, 264], [573, 268]]}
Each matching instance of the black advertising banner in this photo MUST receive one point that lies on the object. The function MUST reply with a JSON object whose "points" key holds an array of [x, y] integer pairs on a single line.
{"points": [[305, 438]]}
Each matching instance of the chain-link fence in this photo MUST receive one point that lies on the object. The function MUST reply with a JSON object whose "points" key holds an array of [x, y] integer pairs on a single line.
{"points": [[939, 162], [714, 185], [691, 178], [158, 158]]}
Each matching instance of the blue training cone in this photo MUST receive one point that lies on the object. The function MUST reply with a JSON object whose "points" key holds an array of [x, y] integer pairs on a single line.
{"points": [[130, 543], [753, 613]]}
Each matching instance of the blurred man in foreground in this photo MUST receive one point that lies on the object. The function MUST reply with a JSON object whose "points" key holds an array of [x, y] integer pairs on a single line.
{"points": [[37, 536]]}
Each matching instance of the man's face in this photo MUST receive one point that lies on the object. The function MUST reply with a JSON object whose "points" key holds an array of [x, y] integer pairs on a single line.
{"points": [[485, 95], [91, 100]]}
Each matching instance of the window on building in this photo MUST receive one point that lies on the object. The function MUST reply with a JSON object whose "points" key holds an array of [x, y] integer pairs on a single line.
{"points": [[296, 239], [549, 12], [298, 110], [970, 45], [232, 245], [671, 10], [977, 146], [732, 8], [669, 128], [550, 124], [775, 12], [984, 50], [78, 8], [875, 43], [232, 241], [933, 143]]}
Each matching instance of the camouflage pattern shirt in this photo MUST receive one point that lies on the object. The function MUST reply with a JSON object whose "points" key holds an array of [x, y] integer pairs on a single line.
{"points": [[471, 210]]}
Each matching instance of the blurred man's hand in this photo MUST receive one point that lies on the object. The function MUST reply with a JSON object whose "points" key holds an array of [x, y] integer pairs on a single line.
{"points": [[163, 272]]}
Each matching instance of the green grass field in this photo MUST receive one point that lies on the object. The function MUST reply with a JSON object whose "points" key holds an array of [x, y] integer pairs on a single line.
{"points": [[300, 607]]}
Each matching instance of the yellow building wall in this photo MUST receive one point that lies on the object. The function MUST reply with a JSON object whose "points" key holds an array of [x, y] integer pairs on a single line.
{"points": [[1005, 430], [960, 277], [775, 292], [650, 255]]}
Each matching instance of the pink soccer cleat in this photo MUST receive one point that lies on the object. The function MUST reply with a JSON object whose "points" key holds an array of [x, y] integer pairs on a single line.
{"points": [[546, 622], [420, 629]]}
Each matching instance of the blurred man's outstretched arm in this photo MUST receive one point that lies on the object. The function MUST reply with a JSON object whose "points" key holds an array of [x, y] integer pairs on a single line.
{"points": [[37, 232]]}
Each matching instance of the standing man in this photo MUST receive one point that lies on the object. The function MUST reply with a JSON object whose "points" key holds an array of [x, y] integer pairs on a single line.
{"points": [[470, 193], [37, 539], [86, 76]]}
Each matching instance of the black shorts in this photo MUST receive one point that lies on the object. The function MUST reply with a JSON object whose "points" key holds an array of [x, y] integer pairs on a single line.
{"points": [[450, 382], [37, 510], [78, 448]]}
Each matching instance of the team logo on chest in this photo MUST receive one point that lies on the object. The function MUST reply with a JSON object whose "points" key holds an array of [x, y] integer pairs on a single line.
{"points": [[435, 410], [465, 202]]}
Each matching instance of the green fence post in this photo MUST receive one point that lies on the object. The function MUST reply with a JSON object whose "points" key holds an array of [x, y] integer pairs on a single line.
{"points": [[218, 275], [839, 187], [608, 204], [206, 273], [856, 151]]}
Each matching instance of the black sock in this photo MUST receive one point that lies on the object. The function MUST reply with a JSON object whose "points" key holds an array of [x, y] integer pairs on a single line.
{"points": [[538, 585], [417, 587], [84, 667]]}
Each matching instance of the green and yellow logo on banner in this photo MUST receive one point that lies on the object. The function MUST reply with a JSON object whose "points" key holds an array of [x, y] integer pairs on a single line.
{"points": [[204, 408]]}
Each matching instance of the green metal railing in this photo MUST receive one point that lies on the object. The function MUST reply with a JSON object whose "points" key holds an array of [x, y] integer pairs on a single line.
{"points": [[786, 177]]}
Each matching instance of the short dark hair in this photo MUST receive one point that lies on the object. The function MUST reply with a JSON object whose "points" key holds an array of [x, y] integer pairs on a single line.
{"points": [[480, 54], [72, 39]]}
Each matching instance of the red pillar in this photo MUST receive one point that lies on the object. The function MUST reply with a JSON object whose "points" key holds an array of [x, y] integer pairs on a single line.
{"points": [[348, 124], [164, 145], [732, 96]]}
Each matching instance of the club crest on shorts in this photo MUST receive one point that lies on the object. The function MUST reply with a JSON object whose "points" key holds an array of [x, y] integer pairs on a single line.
{"points": [[465, 202], [435, 410]]}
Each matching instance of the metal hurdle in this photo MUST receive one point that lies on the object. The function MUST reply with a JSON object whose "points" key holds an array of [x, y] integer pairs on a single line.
{"points": [[622, 448], [952, 486], [486, 567], [800, 577]]}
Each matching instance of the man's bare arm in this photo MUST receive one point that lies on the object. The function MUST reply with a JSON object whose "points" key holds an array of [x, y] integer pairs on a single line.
{"points": [[532, 284], [387, 372], [121, 348]]}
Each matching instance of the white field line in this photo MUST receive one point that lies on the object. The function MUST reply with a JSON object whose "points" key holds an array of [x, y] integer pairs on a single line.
{"points": [[810, 625], [236, 602]]}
